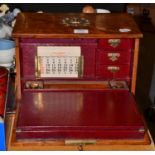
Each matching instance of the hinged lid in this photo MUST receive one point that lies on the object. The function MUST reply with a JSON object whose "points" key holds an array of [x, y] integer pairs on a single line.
{"points": [[71, 25]]}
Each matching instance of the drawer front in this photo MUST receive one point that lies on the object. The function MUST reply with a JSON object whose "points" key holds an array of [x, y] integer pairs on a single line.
{"points": [[113, 72], [116, 44], [113, 57]]}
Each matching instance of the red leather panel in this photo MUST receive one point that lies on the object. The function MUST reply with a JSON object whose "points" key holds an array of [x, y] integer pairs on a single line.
{"points": [[125, 44], [103, 72], [29, 51], [103, 57], [89, 114]]}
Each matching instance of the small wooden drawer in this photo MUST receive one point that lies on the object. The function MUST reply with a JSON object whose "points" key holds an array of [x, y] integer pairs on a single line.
{"points": [[116, 44], [113, 57], [113, 71]]}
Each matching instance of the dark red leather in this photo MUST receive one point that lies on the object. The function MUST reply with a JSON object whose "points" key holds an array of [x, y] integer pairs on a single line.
{"points": [[103, 58], [125, 44], [94, 52], [103, 72], [3, 89], [104, 114], [29, 51], [90, 114]]}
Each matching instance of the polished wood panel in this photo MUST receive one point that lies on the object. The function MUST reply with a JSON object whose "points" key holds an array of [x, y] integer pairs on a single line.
{"points": [[18, 73], [135, 65], [144, 144], [65, 86], [49, 25]]}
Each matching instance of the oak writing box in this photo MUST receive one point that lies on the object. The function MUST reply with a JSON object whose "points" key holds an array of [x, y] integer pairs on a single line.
{"points": [[75, 82]]}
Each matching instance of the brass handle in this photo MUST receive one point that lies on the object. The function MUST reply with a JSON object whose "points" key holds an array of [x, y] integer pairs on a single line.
{"points": [[80, 142], [114, 42], [113, 56], [113, 69]]}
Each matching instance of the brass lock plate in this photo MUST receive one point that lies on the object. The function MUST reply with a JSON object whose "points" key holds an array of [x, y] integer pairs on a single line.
{"points": [[75, 21]]}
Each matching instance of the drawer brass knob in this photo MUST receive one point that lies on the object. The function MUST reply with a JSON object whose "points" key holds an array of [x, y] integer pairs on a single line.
{"points": [[114, 42], [113, 69], [113, 56]]}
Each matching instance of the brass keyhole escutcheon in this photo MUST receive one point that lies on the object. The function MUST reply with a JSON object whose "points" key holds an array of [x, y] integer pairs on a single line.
{"points": [[75, 21], [113, 56], [114, 42]]}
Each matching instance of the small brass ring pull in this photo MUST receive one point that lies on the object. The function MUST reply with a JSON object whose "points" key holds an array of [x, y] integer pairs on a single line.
{"points": [[80, 147], [113, 69], [114, 42], [113, 56]]}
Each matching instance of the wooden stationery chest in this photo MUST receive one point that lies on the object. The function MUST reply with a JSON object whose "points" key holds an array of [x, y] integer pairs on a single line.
{"points": [[75, 83]]}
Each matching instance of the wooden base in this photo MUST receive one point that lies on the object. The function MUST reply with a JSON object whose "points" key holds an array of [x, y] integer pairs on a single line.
{"points": [[12, 144]]}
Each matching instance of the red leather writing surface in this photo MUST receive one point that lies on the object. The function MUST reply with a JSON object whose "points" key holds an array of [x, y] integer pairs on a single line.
{"points": [[90, 114]]}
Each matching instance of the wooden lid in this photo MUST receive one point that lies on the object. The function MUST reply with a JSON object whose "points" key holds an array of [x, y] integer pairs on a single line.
{"points": [[50, 25]]}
